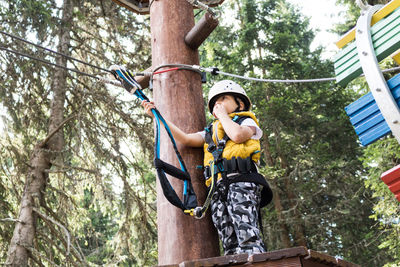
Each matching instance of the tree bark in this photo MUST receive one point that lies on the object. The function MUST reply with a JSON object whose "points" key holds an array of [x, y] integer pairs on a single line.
{"points": [[179, 97], [284, 231], [22, 241], [299, 236]]}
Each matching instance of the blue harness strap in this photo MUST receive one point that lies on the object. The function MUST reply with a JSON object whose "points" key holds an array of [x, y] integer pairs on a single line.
{"points": [[189, 197]]}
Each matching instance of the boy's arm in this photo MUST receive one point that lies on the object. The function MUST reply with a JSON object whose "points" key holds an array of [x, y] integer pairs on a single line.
{"points": [[191, 139], [237, 133]]}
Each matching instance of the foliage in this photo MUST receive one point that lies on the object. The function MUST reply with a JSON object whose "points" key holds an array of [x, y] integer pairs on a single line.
{"points": [[98, 187], [311, 155], [378, 158]]}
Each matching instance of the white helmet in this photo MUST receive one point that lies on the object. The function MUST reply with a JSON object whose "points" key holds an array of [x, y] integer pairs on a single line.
{"points": [[227, 87]]}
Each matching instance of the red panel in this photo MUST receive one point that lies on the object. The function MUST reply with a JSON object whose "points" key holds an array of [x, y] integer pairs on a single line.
{"points": [[395, 187], [391, 175], [392, 179]]}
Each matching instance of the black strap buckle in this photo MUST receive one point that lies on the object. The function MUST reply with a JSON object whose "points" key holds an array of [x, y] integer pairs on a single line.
{"points": [[221, 143], [211, 148]]}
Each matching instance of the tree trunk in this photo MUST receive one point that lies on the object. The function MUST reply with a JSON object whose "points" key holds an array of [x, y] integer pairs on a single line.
{"points": [[179, 97], [299, 236], [284, 231], [22, 242]]}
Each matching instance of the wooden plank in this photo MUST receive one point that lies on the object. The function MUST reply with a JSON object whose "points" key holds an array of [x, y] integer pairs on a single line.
{"points": [[366, 106], [286, 262], [383, 12], [230, 260], [375, 133], [377, 32], [324, 259], [289, 257], [386, 40], [382, 51], [365, 116], [141, 7], [383, 48], [279, 254], [311, 263], [379, 36], [392, 179], [390, 176], [396, 57]]}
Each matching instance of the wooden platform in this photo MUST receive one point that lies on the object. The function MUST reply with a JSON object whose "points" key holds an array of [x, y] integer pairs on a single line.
{"points": [[291, 257]]}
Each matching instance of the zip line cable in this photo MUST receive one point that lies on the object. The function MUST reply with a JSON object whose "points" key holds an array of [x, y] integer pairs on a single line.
{"points": [[196, 68], [104, 80], [52, 51], [272, 80]]}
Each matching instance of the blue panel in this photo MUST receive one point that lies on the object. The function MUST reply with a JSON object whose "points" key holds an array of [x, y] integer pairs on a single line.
{"points": [[366, 117], [377, 132], [369, 123]]}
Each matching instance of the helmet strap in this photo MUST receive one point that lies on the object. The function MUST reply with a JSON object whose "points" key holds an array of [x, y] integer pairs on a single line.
{"points": [[238, 103]]}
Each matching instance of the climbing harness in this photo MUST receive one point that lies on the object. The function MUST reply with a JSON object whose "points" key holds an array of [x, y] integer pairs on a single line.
{"points": [[232, 169], [189, 203]]}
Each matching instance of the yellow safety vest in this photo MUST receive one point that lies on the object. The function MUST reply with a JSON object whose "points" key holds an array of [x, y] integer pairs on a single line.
{"points": [[249, 148]]}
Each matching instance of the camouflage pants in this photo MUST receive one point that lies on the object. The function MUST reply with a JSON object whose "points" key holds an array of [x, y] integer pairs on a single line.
{"points": [[236, 217]]}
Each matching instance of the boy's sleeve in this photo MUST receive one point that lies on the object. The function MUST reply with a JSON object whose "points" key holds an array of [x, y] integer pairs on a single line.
{"points": [[250, 122], [202, 134]]}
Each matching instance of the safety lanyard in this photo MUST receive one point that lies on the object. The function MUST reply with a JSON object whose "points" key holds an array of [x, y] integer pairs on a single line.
{"points": [[189, 197]]}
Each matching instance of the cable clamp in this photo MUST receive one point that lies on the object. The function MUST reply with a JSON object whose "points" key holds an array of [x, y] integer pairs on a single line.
{"points": [[197, 67], [214, 70]]}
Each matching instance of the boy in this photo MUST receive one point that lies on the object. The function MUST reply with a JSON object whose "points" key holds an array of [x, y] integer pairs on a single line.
{"points": [[236, 201]]}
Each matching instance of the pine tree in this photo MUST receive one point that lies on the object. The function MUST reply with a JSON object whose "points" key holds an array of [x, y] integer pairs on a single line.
{"points": [[95, 200], [311, 156], [378, 158]]}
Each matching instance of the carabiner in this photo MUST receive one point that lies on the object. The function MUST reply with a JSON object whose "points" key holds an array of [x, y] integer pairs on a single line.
{"points": [[361, 5]]}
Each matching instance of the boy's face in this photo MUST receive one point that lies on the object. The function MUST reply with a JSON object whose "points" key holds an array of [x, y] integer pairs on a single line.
{"points": [[229, 103]]}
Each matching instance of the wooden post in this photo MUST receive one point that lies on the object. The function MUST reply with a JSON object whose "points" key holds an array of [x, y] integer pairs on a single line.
{"points": [[199, 33], [178, 95]]}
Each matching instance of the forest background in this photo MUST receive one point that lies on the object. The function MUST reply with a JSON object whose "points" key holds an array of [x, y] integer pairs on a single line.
{"points": [[92, 184]]}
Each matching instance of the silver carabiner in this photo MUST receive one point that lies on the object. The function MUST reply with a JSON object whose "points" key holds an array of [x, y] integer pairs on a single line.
{"points": [[362, 5]]}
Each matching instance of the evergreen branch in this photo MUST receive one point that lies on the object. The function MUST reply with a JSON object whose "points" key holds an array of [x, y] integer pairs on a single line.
{"points": [[58, 224], [11, 220], [41, 255], [50, 135]]}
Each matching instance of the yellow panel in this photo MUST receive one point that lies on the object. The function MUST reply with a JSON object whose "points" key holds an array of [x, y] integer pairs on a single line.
{"points": [[396, 57], [383, 12]]}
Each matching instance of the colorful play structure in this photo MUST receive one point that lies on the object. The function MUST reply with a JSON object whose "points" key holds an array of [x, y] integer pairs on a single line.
{"points": [[376, 114]]}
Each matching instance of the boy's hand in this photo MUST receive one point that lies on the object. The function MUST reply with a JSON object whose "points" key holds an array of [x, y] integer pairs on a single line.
{"points": [[219, 110], [147, 107]]}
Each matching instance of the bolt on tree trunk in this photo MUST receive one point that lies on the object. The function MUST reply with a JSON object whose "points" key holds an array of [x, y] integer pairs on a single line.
{"points": [[22, 242]]}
